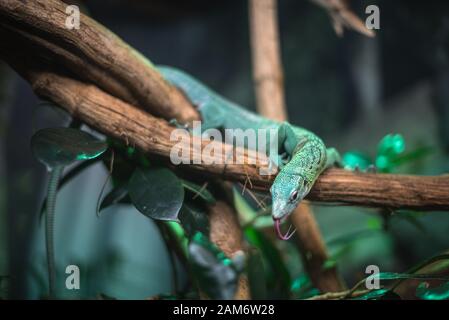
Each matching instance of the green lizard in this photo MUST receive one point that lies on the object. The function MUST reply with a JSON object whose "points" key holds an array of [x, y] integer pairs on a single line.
{"points": [[302, 156]]}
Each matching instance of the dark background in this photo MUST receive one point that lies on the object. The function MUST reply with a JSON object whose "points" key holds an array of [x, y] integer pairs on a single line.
{"points": [[351, 91]]}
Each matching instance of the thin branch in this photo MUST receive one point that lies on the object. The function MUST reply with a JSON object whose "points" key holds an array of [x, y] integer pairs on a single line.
{"points": [[343, 17], [340, 295]]}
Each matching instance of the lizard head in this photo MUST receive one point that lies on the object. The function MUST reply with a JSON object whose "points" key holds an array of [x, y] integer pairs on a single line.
{"points": [[287, 192]]}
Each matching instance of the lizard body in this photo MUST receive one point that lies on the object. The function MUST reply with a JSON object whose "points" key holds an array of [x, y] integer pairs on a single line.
{"points": [[306, 154]]}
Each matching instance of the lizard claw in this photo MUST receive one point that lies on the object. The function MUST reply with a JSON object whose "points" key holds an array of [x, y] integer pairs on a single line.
{"points": [[288, 234]]}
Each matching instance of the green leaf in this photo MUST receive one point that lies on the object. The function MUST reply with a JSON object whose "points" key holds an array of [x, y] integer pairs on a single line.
{"points": [[214, 272], [373, 295], [413, 155], [354, 159], [391, 145], [199, 191], [389, 148], [395, 276], [62, 146], [193, 219], [157, 193], [302, 287], [276, 272], [431, 265], [439, 293], [256, 275], [117, 195]]}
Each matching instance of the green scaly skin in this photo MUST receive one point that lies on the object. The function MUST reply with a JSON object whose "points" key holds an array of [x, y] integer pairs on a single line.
{"points": [[302, 156]]}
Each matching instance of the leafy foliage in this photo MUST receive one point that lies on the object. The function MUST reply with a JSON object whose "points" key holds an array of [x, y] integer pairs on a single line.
{"points": [[157, 193], [193, 218], [256, 275], [439, 293], [62, 146], [390, 155], [216, 274], [118, 194]]}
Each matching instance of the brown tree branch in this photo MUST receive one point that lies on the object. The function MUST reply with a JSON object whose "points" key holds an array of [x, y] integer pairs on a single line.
{"points": [[100, 109], [343, 17], [267, 67], [118, 119], [94, 54]]}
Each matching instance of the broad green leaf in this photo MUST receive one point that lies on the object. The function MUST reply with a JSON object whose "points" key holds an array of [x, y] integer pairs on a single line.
{"points": [[62, 146], [438, 293], [157, 193], [256, 275], [214, 272], [199, 191], [354, 159], [193, 219], [117, 195]]}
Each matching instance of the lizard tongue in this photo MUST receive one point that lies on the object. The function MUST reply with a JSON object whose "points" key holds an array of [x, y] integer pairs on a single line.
{"points": [[277, 224]]}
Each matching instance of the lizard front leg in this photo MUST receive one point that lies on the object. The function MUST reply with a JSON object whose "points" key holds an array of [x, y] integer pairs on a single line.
{"points": [[333, 158]]}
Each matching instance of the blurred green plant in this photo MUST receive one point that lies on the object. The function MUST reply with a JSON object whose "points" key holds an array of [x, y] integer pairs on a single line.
{"points": [[424, 292], [57, 148], [390, 155], [216, 274], [157, 193]]}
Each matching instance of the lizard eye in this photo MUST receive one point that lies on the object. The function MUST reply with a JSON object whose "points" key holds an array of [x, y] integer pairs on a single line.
{"points": [[294, 195]]}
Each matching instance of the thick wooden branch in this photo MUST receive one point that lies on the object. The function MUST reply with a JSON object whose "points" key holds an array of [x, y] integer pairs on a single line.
{"points": [[93, 54], [152, 135]]}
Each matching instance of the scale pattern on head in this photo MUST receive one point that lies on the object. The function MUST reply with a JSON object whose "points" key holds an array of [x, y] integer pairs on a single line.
{"points": [[295, 180]]}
